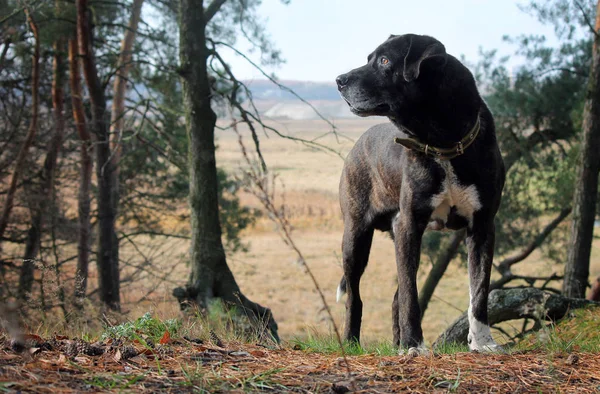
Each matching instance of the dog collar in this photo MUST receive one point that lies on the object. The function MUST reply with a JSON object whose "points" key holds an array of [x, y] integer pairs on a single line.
{"points": [[442, 153]]}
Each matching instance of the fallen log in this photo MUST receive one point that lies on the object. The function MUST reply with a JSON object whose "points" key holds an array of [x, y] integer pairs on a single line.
{"points": [[511, 304]]}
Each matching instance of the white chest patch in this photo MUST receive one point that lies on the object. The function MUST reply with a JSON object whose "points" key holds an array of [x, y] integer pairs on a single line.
{"points": [[453, 194]]}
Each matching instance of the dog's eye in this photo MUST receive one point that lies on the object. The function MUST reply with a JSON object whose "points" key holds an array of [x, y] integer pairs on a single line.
{"points": [[384, 60]]}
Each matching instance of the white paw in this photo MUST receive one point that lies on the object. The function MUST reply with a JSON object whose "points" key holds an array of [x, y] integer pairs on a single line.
{"points": [[484, 344], [488, 348]]}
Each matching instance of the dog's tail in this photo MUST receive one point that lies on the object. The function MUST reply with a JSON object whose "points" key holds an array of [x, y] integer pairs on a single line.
{"points": [[341, 290]]}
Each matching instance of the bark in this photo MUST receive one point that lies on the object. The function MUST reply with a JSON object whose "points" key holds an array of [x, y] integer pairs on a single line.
{"points": [[85, 176], [446, 255], [595, 293], [586, 187], [108, 267], [45, 195], [210, 275], [513, 304], [118, 104], [32, 131]]}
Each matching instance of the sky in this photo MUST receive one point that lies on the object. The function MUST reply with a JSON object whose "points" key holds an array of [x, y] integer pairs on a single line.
{"points": [[321, 39]]}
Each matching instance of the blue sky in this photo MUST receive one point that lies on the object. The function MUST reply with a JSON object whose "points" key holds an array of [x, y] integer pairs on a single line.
{"points": [[321, 39]]}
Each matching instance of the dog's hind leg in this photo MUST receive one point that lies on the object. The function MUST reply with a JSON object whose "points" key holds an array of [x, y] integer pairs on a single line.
{"points": [[356, 246], [480, 246]]}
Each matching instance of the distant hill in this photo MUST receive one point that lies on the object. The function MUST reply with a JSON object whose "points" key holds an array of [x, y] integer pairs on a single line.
{"points": [[276, 103]]}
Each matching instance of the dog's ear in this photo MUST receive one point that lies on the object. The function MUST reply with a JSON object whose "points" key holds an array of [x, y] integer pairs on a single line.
{"points": [[422, 49]]}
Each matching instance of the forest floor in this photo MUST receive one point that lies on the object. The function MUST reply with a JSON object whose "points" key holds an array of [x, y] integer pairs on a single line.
{"points": [[186, 366], [567, 361]]}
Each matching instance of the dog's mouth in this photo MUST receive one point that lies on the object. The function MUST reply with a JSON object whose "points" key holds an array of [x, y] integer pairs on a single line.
{"points": [[359, 110]]}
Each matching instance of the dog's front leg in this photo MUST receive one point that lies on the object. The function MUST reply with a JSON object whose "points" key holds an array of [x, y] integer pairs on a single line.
{"points": [[408, 227], [480, 246]]}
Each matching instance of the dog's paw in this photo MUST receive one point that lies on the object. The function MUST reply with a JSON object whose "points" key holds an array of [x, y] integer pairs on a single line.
{"points": [[489, 346], [420, 350]]}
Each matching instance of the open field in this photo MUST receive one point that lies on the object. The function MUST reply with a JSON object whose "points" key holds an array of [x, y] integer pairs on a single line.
{"points": [[268, 274]]}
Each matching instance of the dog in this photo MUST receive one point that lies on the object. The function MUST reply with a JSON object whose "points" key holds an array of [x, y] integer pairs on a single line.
{"points": [[436, 166]]}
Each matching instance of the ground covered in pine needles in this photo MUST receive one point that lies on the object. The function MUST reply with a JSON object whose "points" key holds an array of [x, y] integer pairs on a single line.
{"points": [[150, 355], [60, 364]]}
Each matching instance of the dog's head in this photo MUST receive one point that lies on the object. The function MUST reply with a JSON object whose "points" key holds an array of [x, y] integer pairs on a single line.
{"points": [[396, 76]]}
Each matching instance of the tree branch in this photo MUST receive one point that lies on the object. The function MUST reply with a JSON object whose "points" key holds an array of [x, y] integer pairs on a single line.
{"points": [[506, 264], [586, 18], [212, 10]]}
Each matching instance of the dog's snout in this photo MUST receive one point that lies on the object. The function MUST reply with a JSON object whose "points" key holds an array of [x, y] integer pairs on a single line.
{"points": [[342, 81]]}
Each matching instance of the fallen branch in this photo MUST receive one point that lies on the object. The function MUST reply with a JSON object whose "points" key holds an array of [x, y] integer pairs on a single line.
{"points": [[504, 305]]}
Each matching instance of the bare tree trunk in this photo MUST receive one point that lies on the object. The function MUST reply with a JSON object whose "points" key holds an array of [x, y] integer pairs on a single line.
{"points": [[586, 186], [108, 267], [439, 268], [45, 195], [210, 275], [22, 155], [85, 176], [118, 104]]}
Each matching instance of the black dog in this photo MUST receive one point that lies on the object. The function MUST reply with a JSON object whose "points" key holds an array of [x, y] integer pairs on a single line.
{"points": [[437, 166]]}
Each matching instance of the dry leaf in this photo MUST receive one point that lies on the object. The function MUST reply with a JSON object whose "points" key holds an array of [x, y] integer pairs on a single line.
{"points": [[166, 338], [117, 357], [258, 353]]}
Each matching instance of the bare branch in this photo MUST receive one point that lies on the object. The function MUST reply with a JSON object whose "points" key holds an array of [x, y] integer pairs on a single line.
{"points": [[586, 18], [504, 266], [212, 10]]}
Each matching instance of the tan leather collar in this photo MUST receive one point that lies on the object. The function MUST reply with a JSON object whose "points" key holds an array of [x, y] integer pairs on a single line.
{"points": [[442, 153]]}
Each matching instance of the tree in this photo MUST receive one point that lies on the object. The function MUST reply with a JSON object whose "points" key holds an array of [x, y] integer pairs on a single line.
{"points": [[85, 174], [46, 192], [29, 139], [108, 267], [210, 275], [577, 268]]}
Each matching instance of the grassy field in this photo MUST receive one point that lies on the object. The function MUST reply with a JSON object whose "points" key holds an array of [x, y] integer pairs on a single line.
{"points": [[268, 274]]}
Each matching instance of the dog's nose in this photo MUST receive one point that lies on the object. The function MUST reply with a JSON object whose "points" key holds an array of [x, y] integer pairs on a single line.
{"points": [[342, 81]]}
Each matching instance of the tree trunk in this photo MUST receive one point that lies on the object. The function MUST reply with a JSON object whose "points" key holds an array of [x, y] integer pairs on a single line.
{"points": [[118, 105], [85, 176], [210, 275], [586, 187], [22, 155], [108, 267], [447, 253], [45, 195], [514, 304]]}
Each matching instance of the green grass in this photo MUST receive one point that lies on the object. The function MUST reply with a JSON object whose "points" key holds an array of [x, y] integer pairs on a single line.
{"points": [[328, 344], [111, 382], [145, 325], [579, 333]]}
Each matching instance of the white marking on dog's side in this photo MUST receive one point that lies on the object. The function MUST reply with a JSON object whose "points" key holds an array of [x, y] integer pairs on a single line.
{"points": [[339, 294], [453, 194]]}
